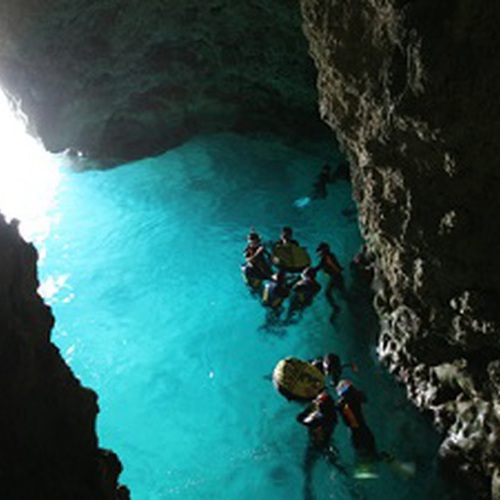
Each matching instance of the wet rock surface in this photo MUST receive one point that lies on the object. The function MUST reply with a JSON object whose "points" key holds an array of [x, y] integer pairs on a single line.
{"points": [[410, 87], [127, 79], [48, 445]]}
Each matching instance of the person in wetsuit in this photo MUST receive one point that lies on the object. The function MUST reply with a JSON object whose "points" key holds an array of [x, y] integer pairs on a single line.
{"points": [[320, 417], [333, 269], [276, 291], [256, 267], [286, 237], [324, 177], [330, 366], [349, 406], [303, 291], [273, 296]]}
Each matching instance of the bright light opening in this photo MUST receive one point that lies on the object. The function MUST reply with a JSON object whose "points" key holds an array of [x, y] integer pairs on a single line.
{"points": [[29, 176]]}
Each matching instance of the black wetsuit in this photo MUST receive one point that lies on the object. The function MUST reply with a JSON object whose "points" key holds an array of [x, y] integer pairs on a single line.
{"points": [[275, 293], [350, 407], [321, 419], [304, 292], [258, 267], [321, 424], [335, 369], [332, 268]]}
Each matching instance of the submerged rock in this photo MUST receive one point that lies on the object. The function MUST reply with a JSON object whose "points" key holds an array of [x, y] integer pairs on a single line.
{"points": [[48, 444], [410, 89]]}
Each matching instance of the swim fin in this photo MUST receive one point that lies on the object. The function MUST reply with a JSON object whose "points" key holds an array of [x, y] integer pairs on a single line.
{"points": [[365, 470], [403, 469]]}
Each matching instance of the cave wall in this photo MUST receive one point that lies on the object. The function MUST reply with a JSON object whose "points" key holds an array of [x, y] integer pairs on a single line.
{"points": [[130, 78], [48, 445], [410, 87]]}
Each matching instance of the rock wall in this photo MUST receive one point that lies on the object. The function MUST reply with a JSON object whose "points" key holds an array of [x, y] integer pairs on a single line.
{"points": [[130, 78], [410, 87], [48, 445]]}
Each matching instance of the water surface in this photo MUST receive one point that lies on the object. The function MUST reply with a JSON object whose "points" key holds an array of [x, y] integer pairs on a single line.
{"points": [[141, 268]]}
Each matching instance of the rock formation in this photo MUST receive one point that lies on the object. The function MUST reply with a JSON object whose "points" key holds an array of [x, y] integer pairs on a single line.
{"points": [[131, 78], [410, 87], [48, 445]]}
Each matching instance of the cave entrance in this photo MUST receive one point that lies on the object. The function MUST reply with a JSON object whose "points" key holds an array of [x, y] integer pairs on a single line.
{"points": [[29, 175]]}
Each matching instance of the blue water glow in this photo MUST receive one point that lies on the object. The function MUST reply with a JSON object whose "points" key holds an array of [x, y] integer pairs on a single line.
{"points": [[142, 272]]}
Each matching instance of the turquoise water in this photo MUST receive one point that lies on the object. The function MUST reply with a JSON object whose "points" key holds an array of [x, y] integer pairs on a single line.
{"points": [[141, 268]]}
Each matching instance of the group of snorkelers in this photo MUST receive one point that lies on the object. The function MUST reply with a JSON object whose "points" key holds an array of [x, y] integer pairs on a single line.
{"points": [[321, 417], [324, 411], [286, 272], [282, 271]]}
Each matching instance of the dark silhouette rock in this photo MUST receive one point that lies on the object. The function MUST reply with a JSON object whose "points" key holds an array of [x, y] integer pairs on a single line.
{"points": [[48, 445], [124, 79]]}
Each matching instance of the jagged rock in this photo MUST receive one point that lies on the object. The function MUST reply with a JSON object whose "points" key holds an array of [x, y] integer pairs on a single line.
{"points": [[495, 485], [409, 86], [130, 78], [48, 445], [410, 89]]}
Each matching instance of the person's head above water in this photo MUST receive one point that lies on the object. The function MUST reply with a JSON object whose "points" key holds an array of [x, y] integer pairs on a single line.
{"points": [[286, 232], [330, 362], [323, 247], [253, 238]]}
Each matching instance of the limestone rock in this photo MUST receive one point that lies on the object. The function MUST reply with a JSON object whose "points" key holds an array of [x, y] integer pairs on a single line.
{"points": [[131, 78], [410, 88]]}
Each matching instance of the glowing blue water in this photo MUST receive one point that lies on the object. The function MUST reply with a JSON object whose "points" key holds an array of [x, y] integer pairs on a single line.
{"points": [[152, 313]]}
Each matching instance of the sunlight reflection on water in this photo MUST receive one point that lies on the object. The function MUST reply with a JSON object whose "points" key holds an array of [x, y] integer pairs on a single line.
{"points": [[29, 177]]}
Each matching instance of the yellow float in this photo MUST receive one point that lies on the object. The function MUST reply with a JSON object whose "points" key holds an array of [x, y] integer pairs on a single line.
{"points": [[297, 379]]}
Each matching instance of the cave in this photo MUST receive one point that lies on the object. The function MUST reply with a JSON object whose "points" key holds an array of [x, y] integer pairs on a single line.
{"points": [[174, 129]]}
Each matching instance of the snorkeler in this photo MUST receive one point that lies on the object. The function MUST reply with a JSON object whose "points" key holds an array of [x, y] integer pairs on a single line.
{"points": [[286, 237], [276, 291], [333, 269], [320, 417], [349, 406], [256, 268], [324, 177], [287, 254], [331, 367], [303, 291]]}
